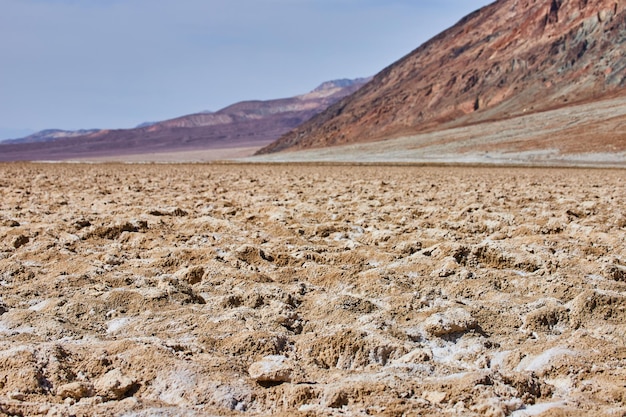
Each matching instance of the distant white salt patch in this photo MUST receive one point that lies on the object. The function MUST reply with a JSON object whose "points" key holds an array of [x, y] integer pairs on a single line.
{"points": [[7, 353], [535, 410], [539, 362], [4, 328], [40, 305], [8, 327], [594, 277], [115, 325]]}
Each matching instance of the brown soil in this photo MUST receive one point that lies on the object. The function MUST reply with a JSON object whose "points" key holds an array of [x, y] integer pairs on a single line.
{"points": [[173, 290]]}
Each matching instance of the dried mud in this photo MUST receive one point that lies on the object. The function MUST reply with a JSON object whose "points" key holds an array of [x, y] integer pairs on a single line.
{"points": [[168, 290]]}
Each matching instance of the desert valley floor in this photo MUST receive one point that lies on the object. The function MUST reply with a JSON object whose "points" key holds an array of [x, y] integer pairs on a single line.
{"points": [[143, 290]]}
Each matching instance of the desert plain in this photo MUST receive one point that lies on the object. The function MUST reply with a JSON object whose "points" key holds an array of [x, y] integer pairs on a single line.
{"points": [[311, 290]]}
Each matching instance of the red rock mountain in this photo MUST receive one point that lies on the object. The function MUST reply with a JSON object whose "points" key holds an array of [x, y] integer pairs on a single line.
{"points": [[509, 58], [247, 124]]}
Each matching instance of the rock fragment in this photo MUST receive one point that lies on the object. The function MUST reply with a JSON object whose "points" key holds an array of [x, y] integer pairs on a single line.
{"points": [[233, 398], [114, 385], [616, 272], [416, 356], [81, 224], [408, 248], [298, 395], [547, 319], [252, 255], [434, 397], [75, 390], [191, 275], [177, 212], [273, 369], [454, 320], [336, 399], [16, 395], [20, 241], [114, 231], [447, 268]]}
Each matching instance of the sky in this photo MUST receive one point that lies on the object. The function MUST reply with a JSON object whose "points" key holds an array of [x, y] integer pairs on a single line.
{"points": [[81, 64]]}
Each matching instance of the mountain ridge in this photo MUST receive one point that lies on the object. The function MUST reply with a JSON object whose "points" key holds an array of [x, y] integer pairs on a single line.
{"points": [[48, 135], [501, 61], [245, 124]]}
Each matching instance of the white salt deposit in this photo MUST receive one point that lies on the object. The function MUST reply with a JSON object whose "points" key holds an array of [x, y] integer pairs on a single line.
{"points": [[115, 325], [535, 410], [40, 306], [539, 362]]}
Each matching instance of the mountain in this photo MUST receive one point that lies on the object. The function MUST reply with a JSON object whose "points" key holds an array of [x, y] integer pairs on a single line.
{"points": [[509, 59], [145, 124], [248, 124], [50, 135]]}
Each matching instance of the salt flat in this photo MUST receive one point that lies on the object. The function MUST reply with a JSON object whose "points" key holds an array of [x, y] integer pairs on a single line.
{"points": [[311, 290]]}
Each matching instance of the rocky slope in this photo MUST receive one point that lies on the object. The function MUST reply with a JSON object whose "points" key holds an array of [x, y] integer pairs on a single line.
{"points": [[245, 124], [510, 58]]}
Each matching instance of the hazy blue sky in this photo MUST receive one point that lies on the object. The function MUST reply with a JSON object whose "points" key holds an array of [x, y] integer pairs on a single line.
{"points": [[74, 64]]}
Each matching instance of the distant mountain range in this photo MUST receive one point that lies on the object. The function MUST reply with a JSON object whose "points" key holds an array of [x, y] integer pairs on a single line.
{"points": [[249, 124], [509, 59], [50, 135], [518, 80]]}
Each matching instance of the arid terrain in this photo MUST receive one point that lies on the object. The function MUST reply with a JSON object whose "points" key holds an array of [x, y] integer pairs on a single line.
{"points": [[592, 134], [241, 127], [167, 290], [508, 59]]}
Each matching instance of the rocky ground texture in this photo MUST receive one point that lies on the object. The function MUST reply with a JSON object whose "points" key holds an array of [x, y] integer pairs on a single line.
{"points": [[166, 290]]}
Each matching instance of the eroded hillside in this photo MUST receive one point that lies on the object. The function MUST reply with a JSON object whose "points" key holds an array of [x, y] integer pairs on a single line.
{"points": [[507, 59]]}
